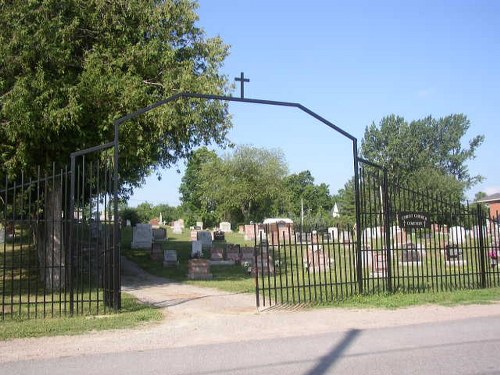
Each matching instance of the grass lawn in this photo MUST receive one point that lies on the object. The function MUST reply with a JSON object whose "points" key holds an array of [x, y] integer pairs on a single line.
{"points": [[132, 315]]}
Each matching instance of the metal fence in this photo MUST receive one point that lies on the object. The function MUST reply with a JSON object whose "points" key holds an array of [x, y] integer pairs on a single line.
{"points": [[57, 242], [403, 241]]}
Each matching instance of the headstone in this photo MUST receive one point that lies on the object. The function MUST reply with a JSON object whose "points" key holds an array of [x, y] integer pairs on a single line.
{"points": [[216, 253], [247, 255], [196, 249], [156, 251], [316, 259], [199, 225], [410, 254], [155, 223], [170, 258], [225, 227], [333, 232], [177, 227], [398, 236], [454, 255], [371, 234], [142, 236], [233, 253], [2, 235], [263, 266], [457, 235], [159, 234], [241, 229], [250, 232], [303, 237], [206, 238], [128, 223], [219, 235], [199, 269], [345, 237], [194, 235], [379, 264]]}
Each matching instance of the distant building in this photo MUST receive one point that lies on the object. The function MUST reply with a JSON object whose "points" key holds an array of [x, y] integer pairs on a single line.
{"points": [[493, 202]]}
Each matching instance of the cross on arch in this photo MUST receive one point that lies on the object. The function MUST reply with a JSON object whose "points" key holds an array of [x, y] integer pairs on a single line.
{"points": [[242, 81]]}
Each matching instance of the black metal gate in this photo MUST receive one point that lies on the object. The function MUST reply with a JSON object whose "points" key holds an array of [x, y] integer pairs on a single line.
{"points": [[402, 241], [58, 240]]}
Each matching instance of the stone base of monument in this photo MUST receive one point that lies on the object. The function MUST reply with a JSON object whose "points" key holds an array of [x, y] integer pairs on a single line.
{"points": [[156, 251], [217, 262], [199, 269], [456, 262]]}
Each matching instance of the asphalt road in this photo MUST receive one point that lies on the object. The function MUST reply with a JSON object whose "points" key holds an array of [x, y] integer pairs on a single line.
{"points": [[469, 346]]}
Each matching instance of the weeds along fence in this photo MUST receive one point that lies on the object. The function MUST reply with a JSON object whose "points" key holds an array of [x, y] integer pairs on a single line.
{"points": [[404, 241], [55, 261]]}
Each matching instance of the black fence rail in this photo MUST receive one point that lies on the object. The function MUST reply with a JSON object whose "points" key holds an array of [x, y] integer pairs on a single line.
{"points": [[401, 241], [56, 260]]}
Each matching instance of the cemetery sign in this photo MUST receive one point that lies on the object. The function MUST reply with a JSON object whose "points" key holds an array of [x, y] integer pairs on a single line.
{"points": [[414, 220]]}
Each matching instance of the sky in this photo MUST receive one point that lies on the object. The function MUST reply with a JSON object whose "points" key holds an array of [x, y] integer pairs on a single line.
{"points": [[353, 63]]}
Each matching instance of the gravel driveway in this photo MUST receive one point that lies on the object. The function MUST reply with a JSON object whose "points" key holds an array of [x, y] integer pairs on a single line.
{"points": [[195, 315]]}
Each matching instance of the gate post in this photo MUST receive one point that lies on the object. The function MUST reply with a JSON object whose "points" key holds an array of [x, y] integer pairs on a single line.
{"points": [[359, 255], [482, 258], [387, 229]]}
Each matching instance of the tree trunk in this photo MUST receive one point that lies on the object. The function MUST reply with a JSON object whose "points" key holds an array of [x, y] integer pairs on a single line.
{"points": [[50, 247]]}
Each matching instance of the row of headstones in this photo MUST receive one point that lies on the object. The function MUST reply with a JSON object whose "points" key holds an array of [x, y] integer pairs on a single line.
{"points": [[143, 236]]}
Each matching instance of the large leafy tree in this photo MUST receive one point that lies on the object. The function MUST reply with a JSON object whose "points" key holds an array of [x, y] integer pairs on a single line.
{"points": [[427, 154], [68, 69], [241, 186]]}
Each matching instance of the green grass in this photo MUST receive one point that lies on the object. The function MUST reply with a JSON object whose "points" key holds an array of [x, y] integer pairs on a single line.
{"points": [[132, 315], [405, 300]]}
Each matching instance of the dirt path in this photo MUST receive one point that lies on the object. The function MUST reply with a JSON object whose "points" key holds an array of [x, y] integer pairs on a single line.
{"points": [[197, 315]]}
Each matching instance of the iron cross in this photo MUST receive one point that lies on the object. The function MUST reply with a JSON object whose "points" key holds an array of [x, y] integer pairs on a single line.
{"points": [[242, 81]]}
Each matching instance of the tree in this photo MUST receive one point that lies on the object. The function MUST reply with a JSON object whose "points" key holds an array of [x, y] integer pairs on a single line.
{"points": [[426, 154], [69, 69], [243, 186], [316, 199], [191, 193]]}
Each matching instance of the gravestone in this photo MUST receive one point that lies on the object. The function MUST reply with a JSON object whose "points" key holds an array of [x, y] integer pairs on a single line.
{"points": [[170, 258], [128, 223], [410, 254], [196, 249], [156, 251], [454, 255], [225, 226], [219, 235], [379, 264], [159, 234], [199, 269], [199, 225], [333, 232], [457, 235], [303, 237], [241, 229], [247, 255], [177, 227], [155, 223], [194, 235], [206, 238], [316, 259], [216, 253], [233, 253], [95, 229], [2, 235], [398, 236], [142, 236], [263, 266], [345, 237], [249, 232]]}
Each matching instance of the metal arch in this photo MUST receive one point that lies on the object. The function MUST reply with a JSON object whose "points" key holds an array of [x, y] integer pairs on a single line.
{"points": [[188, 95]]}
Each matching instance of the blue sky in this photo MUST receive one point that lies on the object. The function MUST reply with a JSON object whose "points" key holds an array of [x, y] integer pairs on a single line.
{"points": [[353, 62]]}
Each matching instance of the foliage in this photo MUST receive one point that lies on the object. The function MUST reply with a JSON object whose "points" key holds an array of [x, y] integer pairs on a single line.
{"points": [[244, 186], [146, 211], [69, 69], [426, 153]]}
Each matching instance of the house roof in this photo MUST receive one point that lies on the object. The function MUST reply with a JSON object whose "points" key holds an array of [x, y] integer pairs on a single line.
{"points": [[490, 198]]}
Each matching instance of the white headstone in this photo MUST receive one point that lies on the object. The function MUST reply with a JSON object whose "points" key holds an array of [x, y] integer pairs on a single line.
{"points": [[196, 249], [177, 227], [205, 238], [128, 223], [457, 235], [142, 236], [199, 225], [333, 232], [225, 226]]}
